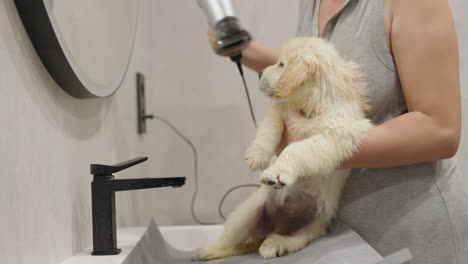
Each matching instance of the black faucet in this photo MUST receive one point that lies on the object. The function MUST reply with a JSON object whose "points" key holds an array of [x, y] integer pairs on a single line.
{"points": [[103, 190]]}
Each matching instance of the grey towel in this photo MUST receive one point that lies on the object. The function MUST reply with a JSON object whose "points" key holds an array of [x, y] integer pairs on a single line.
{"points": [[340, 246]]}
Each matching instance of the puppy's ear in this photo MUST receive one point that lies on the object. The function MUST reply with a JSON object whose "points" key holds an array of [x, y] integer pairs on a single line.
{"points": [[294, 75]]}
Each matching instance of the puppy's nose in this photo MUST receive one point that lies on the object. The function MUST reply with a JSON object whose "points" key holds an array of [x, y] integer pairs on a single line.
{"points": [[260, 74]]}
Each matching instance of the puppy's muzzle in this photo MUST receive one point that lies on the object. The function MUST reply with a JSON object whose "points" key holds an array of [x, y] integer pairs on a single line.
{"points": [[260, 74]]}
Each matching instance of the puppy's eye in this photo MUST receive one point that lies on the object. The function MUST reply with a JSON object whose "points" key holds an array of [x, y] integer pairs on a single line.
{"points": [[281, 64]]}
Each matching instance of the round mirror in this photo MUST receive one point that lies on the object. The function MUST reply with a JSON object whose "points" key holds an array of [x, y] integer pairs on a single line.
{"points": [[85, 45]]}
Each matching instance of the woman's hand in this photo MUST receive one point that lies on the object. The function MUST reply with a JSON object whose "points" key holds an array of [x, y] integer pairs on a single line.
{"points": [[255, 55], [211, 37]]}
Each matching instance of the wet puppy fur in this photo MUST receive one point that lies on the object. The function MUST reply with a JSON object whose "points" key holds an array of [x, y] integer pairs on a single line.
{"points": [[322, 99]]}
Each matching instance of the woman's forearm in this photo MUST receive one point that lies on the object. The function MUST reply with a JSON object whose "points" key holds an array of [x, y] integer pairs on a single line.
{"points": [[257, 56], [410, 138]]}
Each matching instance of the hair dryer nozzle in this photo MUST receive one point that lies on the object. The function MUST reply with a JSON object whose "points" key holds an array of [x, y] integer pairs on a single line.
{"points": [[231, 37], [216, 10]]}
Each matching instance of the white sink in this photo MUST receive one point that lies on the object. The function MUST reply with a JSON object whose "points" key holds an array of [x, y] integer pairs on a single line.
{"points": [[185, 238], [189, 238]]}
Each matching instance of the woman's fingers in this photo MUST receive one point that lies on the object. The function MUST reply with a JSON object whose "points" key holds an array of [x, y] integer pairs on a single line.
{"points": [[211, 37]]}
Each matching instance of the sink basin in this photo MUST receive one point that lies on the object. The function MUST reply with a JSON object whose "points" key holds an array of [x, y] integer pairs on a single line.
{"points": [[342, 245], [186, 238], [189, 238]]}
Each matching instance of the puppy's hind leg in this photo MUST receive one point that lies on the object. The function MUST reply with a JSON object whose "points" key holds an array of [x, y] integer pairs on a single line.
{"points": [[239, 236]]}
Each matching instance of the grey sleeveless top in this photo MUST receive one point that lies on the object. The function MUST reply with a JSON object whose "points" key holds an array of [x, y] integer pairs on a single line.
{"points": [[423, 207]]}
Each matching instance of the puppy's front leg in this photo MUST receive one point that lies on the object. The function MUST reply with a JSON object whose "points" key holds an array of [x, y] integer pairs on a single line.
{"points": [[318, 155], [269, 132]]}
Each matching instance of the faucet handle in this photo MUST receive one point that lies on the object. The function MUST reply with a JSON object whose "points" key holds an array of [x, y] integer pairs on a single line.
{"points": [[106, 170]]}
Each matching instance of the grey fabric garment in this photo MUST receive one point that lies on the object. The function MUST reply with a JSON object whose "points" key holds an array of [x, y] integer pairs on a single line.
{"points": [[341, 246], [423, 207]]}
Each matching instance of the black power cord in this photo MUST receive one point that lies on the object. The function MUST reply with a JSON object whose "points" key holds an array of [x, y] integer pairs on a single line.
{"points": [[236, 59], [195, 168]]}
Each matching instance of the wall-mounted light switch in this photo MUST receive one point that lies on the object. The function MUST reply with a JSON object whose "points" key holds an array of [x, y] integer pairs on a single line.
{"points": [[141, 104]]}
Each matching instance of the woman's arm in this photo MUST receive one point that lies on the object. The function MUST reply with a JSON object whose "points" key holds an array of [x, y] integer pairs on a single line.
{"points": [[424, 45], [255, 55]]}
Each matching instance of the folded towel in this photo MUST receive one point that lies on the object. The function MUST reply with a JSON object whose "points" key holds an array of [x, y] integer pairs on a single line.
{"points": [[340, 246]]}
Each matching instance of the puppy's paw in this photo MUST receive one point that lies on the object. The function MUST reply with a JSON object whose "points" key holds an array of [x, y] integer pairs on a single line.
{"points": [[206, 254], [277, 177], [277, 245], [208, 250], [257, 157], [199, 254]]}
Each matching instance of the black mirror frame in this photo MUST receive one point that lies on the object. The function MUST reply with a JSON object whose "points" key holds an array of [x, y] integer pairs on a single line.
{"points": [[57, 59]]}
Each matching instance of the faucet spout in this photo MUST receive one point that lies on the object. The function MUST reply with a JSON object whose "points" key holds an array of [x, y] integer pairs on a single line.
{"points": [[141, 183]]}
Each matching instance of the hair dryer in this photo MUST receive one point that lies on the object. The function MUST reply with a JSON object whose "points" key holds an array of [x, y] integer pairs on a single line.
{"points": [[231, 38]]}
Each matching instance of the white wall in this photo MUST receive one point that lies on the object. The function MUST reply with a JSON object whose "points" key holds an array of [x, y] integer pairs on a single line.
{"points": [[48, 138]]}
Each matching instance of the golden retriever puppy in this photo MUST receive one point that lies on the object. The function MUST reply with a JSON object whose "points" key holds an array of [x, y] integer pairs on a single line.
{"points": [[322, 99]]}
